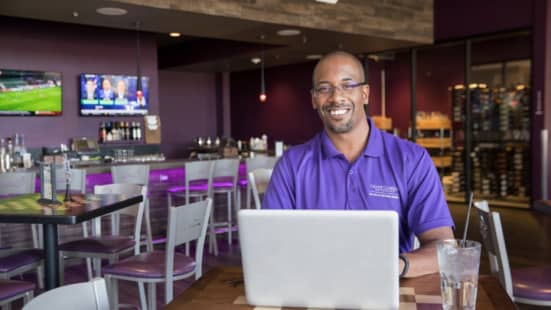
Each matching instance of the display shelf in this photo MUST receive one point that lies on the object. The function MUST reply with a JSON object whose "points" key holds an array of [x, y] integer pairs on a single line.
{"points": [[500, 143]]}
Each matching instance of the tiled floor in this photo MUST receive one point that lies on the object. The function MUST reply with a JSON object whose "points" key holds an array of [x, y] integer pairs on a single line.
{"points": [[527, 233]]}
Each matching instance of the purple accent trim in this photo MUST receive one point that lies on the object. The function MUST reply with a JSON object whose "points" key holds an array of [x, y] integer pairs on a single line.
{"points": [[532, 283], [10, 288], [150, 265], [174, 176], [109, 244], [20, 259]]}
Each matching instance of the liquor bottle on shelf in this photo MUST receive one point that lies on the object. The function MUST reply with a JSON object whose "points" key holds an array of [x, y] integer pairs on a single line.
{"points": [[102, 132]]}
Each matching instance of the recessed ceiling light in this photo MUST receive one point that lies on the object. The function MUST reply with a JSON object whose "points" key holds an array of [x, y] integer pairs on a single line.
{"points": [[328, 1], [313, 56], [112, 11], [288, 32], [175, 34], [256, 60]]}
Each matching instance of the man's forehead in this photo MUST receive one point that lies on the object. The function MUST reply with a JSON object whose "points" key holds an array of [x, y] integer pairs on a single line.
{"points": [[343, 66]]}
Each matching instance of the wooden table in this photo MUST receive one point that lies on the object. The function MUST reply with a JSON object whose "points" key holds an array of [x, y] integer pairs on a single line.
{"points": [[222, 288], [26, 209]]}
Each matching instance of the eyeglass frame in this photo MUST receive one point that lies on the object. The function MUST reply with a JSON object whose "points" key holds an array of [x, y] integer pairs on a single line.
{"points": [[332, 89]]}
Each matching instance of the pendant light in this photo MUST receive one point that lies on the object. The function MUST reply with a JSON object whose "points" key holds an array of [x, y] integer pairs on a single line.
{"points": [[262, 96], [139, 88]]}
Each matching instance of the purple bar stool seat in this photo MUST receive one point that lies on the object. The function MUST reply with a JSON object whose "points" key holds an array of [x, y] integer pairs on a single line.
{"points": [[151, 265], [104, 244], [532, 283], [11, 290], [19, 259]]}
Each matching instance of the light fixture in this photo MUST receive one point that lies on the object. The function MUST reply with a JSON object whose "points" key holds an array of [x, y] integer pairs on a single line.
{"points": [[109, 11], [175, 34], [313, 56], [288, 32], [328, 1], [256, 60], [262, 96], [139, 89]]}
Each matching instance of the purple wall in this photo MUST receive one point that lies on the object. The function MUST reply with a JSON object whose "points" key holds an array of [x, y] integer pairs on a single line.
{"points": [[188, 109], [458, 19], [71, 50]]}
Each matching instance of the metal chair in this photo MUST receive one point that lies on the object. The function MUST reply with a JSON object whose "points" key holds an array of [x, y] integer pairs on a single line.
{"points": [[135, 174], [111, 247], [185, 223], [197, 184], [90, 295], [254, 163], [258, 182], [224, 180], [11, 290], [77, 184], [527, 285], [18, 261]]}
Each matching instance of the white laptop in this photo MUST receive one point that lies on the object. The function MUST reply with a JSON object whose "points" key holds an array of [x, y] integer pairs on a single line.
{"points": [[320, 259]]}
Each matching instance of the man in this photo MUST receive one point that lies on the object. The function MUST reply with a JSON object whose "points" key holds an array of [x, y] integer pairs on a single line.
{"points": [[106, 92], [121, 90], [90, 89], [353, 165]]}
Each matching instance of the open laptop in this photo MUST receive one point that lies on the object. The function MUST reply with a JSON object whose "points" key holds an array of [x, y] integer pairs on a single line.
{"points": [[320, 259]]}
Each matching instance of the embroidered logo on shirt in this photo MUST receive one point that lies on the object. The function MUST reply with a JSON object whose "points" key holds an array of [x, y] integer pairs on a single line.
{"points": [[384, 191]]}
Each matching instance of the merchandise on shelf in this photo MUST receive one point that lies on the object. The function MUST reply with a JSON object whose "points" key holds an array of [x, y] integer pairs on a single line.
{"points": [[500, 120]]}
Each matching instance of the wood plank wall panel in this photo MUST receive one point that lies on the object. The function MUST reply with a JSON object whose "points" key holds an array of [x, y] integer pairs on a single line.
{"points": [[408, 20]]}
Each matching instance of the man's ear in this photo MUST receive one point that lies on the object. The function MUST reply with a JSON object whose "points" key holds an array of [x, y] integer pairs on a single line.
{"points": [[365, 94], [314, 105]]}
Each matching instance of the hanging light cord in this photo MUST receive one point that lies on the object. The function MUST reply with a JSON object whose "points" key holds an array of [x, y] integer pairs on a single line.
{"points": [[262, 84], [139, 78]]}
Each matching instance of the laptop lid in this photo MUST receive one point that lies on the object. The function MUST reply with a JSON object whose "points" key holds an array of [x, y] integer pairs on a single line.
{"points": [[320, 258]]}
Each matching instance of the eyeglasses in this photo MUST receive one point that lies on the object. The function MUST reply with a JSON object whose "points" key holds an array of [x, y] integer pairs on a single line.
{"points": [[328, 89]]}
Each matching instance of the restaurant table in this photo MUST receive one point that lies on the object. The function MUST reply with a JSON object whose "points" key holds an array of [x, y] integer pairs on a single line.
{"points": [[222, 288], [26, 209]]}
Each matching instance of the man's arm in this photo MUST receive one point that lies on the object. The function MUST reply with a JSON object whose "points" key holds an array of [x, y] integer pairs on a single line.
{"points": [[424, 260]]}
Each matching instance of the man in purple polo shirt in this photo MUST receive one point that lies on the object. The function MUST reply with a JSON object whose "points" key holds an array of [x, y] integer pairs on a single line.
{"points": [[353, 165]]}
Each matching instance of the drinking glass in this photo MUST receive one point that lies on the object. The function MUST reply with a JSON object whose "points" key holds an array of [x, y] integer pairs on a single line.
{"points": [[458, 262]]}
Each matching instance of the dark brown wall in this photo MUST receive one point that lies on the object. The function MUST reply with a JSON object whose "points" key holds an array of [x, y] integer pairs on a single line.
{"points": [[71, 50], [459, 19], [287, 114]]}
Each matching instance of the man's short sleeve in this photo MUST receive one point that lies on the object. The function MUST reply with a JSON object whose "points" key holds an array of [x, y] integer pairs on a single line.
{"points": [[427, 207], [280, 191]]}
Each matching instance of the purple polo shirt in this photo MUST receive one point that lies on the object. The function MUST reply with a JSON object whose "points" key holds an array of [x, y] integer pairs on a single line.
{"points": [[392, 174]]}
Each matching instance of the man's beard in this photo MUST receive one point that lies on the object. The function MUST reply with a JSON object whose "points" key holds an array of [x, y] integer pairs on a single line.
{"points": [[338, 128]]}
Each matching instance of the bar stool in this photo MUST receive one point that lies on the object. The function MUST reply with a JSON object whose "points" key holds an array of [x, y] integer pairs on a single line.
{"points": [[197, 184], [259, 162], [258, 181], [225, 182]]}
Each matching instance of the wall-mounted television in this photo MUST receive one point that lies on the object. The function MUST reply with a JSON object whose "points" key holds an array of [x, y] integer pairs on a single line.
{"points": [[107, 94], [25, 92]]}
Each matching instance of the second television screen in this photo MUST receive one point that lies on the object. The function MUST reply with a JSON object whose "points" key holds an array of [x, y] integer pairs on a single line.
{"points": [[103, 94]]}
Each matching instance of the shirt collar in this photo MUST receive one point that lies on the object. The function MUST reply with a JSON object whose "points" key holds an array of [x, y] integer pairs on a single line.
{"points": [[374, 147]]}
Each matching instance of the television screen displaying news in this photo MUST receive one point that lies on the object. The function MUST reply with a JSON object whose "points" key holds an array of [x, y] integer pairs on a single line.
{"points": [[107, 94]]}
